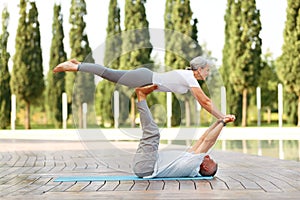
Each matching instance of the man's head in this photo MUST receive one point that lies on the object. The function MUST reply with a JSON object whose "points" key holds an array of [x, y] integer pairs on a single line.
{"points": [[208, 167]]}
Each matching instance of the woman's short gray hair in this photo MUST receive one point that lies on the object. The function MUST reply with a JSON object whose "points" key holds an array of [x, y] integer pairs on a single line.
{"points": [[201, 62]]}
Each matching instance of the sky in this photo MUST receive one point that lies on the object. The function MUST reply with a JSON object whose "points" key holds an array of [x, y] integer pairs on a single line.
{"points": [[210, 15]]}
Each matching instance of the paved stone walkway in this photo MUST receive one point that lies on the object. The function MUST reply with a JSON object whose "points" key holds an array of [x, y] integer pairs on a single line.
{"points": [[28, 168]]}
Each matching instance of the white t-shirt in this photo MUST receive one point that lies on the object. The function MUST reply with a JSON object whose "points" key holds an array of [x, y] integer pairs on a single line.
{"points": [[177, 81], [177, 164]]}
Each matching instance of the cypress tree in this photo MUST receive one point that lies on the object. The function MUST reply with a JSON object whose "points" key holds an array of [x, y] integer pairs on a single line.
{"points": [[135, 18], [19, 65], [170, 57], [169, 28], [168, 15], [113, 45], [247, 55], [181, 45], [34, 58], [56, 82], [84, 87], [113, 50], [136, 46], [288, 67], [5, 93], [252, 55], [181, 20], [232, 34], [27, 77], [178, 18]]}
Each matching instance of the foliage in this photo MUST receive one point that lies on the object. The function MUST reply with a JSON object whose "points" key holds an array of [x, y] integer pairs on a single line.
{"points": [[288, 69], [290, 100], [242, 51], [27, 77], [268, 82], [56, 82], [234, 99], [136, 49], [113, 44], [181, 46], [83, 83], [5, 92]]}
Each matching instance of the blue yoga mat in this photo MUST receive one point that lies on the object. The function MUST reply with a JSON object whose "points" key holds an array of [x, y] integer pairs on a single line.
{"points": [[123, 178]]}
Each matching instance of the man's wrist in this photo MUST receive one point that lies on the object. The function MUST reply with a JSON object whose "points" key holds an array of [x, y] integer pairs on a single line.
{"points": [[222, 121]]}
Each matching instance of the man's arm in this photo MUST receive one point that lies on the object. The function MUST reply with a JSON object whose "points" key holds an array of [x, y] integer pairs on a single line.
{"points": [[209, 138], [209, 141], [202, 138]]}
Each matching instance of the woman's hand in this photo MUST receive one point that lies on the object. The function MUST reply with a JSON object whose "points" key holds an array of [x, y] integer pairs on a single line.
{"points": [[229, 118]]}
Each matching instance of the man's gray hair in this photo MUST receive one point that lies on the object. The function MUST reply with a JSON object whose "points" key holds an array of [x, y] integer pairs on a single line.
{"points": [[201, 62]]}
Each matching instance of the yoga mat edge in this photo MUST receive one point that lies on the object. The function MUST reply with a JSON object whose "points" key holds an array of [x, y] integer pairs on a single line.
{"points": [[123, 178]]}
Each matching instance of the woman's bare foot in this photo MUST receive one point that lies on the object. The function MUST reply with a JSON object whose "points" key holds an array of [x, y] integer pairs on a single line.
{"points": [[142, 92], [71, 65]]}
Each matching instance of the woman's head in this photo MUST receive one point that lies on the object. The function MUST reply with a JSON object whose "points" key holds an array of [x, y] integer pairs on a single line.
{"points": [[201, 67], [200, 62], [208, 167]]}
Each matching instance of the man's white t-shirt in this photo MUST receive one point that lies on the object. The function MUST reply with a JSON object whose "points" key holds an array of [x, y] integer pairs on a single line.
{"points": [[177, 164], [177, 81]]}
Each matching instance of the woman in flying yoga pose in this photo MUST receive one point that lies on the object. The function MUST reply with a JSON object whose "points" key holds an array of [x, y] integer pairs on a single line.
{"points": [[177, 81]]}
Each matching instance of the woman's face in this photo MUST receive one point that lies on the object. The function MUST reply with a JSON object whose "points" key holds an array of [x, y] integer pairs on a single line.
{"points": [[202, 73]]}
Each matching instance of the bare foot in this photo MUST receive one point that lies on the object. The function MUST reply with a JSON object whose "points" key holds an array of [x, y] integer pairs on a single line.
{"points": [[142, 92], [73, 60], [71, 65]]}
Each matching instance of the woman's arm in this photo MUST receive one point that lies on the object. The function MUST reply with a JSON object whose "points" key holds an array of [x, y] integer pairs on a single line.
{"points": [[206, 102]]}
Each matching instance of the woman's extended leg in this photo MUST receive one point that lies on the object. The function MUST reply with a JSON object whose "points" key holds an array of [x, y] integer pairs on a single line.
{"points": [[131, 78]]}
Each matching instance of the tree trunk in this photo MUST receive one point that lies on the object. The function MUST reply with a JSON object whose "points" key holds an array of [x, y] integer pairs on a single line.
{"points": [[187, 113], [299, 111], [27, 116], [244, 115], [269, 115], [132, 111], [80, 116]]}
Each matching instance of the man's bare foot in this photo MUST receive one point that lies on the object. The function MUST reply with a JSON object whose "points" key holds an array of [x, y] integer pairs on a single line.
{"points": [[71, 65], [142, 92]]}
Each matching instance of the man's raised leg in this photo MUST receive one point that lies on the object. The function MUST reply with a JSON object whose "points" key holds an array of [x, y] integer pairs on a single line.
{"points": [[146, 154]]}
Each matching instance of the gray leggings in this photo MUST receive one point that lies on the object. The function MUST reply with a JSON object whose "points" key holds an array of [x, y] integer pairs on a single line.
{"points": [[131, 78], [147, 152]]}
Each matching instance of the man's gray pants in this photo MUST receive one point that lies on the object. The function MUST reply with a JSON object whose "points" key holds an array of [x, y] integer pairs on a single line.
{"points": [[147, 152]]}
